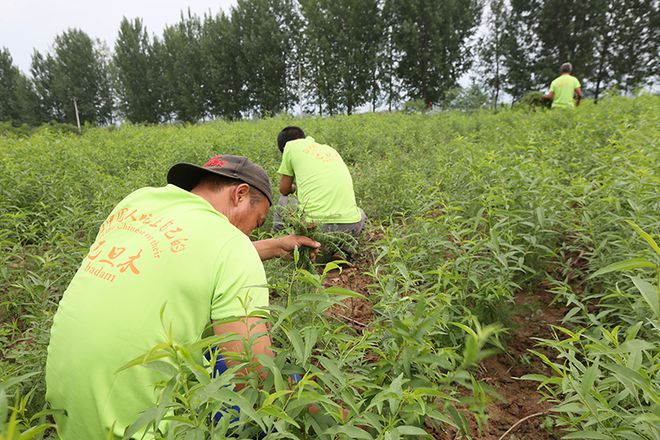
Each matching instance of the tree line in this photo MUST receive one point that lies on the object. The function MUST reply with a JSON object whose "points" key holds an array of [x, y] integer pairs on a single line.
{"points": [[265, 57]]}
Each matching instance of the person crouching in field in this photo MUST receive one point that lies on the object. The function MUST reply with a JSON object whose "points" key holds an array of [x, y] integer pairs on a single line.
{"points": [[323, 184], [565, 90], [182, 248]]}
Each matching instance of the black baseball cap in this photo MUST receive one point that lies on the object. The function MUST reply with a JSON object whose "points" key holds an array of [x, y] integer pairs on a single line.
{"points": [[188, 175]]}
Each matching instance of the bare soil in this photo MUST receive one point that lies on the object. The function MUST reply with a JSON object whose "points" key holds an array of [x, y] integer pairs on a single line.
{"points": [[533, 317], [355, 312]]}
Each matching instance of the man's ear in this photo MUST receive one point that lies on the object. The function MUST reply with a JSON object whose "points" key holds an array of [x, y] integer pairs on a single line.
{"points": [[239, 193]]}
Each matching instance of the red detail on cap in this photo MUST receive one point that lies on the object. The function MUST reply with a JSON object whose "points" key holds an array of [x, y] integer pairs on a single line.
{"points": [[215, 162]]}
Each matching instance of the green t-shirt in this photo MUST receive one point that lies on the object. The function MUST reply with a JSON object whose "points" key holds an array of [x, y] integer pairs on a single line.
{"points": [[564, 87], [159, 246], [325, 187]]}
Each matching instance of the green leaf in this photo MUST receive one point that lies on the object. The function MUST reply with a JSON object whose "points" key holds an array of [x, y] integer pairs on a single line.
{"points": [[147, 417], [649, 293], [277, 412], [34, 431], [164, 367], [412, 430], [351, 431], [340, 291], [297, 343], [633, 263], [269, 363], [646, 237], [332, 368], [571, 407], [589, 378], [4, 409], [16, 380], [275, 396], [588, 435], [153, 354]]}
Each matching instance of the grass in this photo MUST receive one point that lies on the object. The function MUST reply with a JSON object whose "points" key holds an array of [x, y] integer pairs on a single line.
{"points": [[469, 210]]}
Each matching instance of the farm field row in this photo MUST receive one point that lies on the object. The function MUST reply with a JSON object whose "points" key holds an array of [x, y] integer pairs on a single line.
{"points": [[485, 228]]}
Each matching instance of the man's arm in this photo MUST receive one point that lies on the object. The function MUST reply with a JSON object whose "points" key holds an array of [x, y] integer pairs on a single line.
{"points": [[286, 185], [578, 96], [279, 247], [246, 328]]}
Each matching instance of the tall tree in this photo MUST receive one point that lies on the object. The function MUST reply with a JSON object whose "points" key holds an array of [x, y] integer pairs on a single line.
{"points": [[8, 87], [490, 49], [341, 46], [388, 59], [78, 70], [49, 107], [224, 68], [182, 56], [635, 56], [17, 98], [136, 73], [264, 30], [523, 47], [431, 37]]}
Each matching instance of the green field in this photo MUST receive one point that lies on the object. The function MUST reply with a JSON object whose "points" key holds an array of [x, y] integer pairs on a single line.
{"points": [[476, 220]]}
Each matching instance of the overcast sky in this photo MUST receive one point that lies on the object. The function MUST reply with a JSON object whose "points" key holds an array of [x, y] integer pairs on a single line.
{"points": [[26, 25]]}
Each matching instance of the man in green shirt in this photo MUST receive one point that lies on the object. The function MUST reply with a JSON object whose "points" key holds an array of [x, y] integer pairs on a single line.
{"points": [[323, 184], [565, 90], [184, 247]]}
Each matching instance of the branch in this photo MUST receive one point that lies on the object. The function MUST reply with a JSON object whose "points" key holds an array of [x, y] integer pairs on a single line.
{"points": [[521, 421]]}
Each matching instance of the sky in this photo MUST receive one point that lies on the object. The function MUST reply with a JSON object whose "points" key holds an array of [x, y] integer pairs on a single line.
{"points": [[26, 25]]}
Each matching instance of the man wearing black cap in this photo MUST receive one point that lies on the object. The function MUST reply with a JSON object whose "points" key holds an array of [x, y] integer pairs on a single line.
{"points": [[183, 249]]}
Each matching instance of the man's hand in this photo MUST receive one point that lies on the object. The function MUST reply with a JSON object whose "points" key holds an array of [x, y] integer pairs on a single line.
{"points": [[279, 247]]}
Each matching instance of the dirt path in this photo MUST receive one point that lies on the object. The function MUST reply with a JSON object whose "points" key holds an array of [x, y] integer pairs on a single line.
{"points": [[533, 317]]}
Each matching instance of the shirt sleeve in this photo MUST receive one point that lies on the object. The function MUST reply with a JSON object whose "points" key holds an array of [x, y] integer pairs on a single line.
{"points": [[241, 285], [577, 84], [286, 167]]}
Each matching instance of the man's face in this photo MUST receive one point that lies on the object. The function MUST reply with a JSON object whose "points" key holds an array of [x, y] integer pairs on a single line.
{"points": [[249, 215]]}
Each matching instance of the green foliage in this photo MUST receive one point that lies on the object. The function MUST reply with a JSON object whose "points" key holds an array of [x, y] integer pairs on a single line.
{"points": [[224, 79], [532, 101], [17, 422], [183, 74], [340, 49], [266, 29], [415, 106], [368, 399], [334, 245], [608, 382], [262, 57], [465, 99], [76, 70], [17, 97], [430, 38], [136, 73], [491, 52], [465, 211], [81, 73]]}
